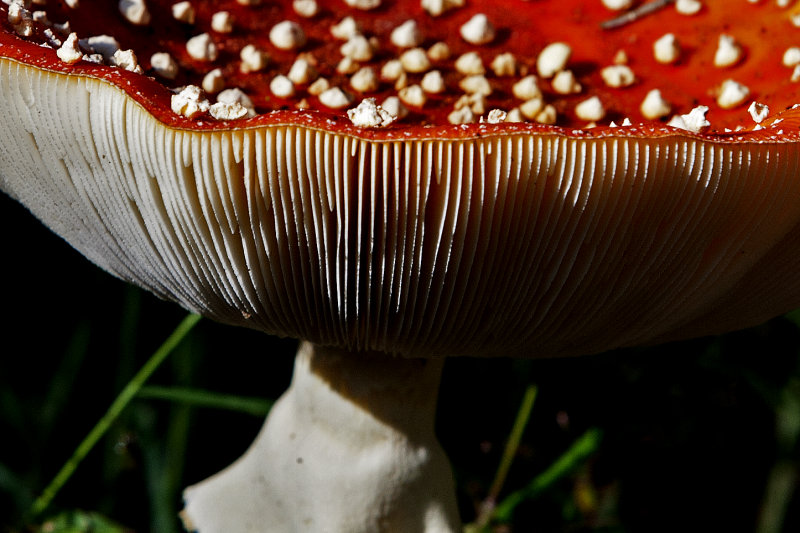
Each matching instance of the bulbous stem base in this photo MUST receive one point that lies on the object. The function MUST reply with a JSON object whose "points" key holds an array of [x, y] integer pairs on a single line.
{"points": [[348, 448]]}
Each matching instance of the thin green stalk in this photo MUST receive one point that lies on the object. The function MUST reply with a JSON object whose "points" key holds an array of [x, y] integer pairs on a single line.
{"points": [[580, 450], [510, 451], [173, 459], [203, 398], [523, 415], [119, 404]]}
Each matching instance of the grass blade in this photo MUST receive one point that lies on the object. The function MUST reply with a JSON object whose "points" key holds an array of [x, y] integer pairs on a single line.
{"points": [[580, 450], [119, 404], [203, 398], [510, 451]]}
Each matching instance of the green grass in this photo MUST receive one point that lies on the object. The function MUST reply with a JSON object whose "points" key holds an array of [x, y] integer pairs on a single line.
{"points": [[565, 474], [693, 436]]}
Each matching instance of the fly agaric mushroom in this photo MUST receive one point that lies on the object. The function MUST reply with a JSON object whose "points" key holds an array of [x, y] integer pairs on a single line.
{"points": [[387, 239]]}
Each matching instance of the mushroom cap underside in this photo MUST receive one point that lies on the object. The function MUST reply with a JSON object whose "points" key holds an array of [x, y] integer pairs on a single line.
{"points": [[507, 242]]}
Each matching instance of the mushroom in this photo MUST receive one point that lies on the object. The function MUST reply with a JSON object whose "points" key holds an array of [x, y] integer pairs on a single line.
{"points": [[386, 243]]}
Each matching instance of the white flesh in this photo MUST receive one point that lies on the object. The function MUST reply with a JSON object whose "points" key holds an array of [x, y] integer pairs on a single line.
{"points": [[348, 448]]}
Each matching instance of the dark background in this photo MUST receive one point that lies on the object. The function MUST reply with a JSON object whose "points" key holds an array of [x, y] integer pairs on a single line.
{"points": [[692, 431]]}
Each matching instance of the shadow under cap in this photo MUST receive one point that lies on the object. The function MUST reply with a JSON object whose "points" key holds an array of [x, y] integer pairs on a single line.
{"points": [[376, 381]]}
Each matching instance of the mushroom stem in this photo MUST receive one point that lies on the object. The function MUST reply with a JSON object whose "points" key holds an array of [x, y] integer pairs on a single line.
{"points": [[350, 447]]}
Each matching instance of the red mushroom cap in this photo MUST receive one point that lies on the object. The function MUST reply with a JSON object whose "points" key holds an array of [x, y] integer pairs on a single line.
{"points": [[761, 33]]}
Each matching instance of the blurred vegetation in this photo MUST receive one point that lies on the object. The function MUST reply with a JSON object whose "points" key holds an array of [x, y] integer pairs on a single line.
{"points": [[693, 436]]}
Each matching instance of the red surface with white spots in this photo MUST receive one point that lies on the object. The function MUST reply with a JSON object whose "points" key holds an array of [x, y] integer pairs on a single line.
{"points": [[523, 28]]}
